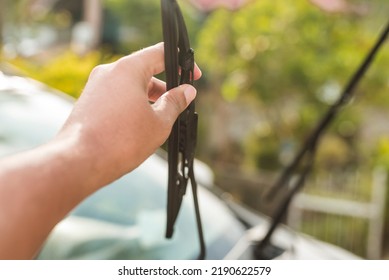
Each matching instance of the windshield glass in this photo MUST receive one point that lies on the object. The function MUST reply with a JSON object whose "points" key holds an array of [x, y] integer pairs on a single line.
{"points": [[27, 120], [136, 206]]}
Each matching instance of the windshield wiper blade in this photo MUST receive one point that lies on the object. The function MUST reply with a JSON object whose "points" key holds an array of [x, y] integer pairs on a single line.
{"points": [[179, 69], [304, 159]]}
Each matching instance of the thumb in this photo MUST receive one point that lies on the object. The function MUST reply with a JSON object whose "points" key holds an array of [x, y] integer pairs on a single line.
{"points": [[173, 102]]}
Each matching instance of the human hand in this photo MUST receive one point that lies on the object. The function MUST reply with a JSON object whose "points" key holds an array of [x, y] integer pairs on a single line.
{"points": [[114, 118]]}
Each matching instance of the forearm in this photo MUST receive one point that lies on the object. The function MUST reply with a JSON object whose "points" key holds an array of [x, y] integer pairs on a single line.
{"points": [[38, 188]]}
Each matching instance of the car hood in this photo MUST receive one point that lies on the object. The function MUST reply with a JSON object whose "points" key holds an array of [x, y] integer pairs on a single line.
{"points": [[286, 244]]}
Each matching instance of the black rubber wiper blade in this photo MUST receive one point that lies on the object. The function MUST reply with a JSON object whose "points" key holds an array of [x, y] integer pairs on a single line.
{"points": [[179, 69], [304, 159]]}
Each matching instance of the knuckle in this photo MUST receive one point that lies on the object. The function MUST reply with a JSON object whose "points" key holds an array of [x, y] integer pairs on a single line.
{"points": [[133, 67], [98, 70], [120, 66]]}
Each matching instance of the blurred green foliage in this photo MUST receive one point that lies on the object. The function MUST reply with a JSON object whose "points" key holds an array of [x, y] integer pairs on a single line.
{"points": [[140, 21], [382, 152], [295, 58], [137, 23], [67, 72]]}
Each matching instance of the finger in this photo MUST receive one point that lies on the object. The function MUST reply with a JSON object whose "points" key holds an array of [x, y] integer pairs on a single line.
{"points": [[197, 72], [156, 89], [173, 102], [153, 57], [146, 62]]}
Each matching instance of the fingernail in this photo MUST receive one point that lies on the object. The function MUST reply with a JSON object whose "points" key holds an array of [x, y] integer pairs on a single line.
{"points": [[190, 94]]}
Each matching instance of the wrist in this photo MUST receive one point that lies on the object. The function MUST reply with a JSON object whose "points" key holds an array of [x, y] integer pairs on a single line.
{"points": [[80, 153], [94, 160]]}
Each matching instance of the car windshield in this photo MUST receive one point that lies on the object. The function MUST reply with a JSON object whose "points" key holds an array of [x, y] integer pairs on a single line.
{"points": [[135, 208], [28, 115], [125, 220]]}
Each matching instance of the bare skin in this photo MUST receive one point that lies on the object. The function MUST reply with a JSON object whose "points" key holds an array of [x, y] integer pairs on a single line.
{"points": [[111, 130]]}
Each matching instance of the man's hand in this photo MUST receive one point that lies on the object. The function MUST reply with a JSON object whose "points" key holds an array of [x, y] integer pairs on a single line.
{"points": [[115, 116]]}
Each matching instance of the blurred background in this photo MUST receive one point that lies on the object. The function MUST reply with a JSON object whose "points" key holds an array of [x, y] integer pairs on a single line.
{"points": [[270, 71]]}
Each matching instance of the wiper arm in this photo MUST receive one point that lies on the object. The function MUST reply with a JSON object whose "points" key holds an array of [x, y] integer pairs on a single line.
{"points": [[304, 159], [179, 69]]}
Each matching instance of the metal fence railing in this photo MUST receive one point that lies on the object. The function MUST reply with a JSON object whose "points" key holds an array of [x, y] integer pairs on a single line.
{"points": [[346, 210]]}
